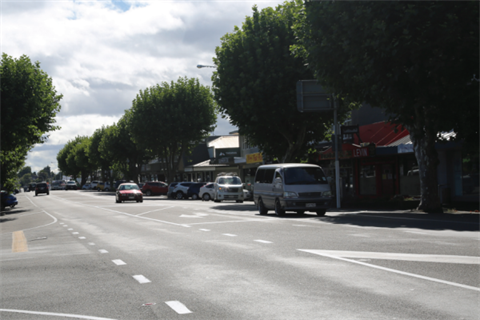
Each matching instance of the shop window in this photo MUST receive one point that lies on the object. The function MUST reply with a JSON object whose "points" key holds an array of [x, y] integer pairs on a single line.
{"points": [[368, 185], [409, 178]]}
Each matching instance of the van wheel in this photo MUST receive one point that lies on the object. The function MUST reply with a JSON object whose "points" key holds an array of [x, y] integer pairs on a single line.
{"points": [[206, 197], [300, 212], [239, 201], [261, 207], [278, 209], [194, 196], [179, 195], [322, 212]]}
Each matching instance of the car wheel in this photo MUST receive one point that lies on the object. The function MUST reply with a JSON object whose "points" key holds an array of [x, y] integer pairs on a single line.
{"points": [[322, 212], [206, 197], [48, 193], [98, 189], [36, 194], [261, 207], [239, 201], [179, 195], [278, 209], [300, 212], [194, 196], [149, 192], [116, 199]]}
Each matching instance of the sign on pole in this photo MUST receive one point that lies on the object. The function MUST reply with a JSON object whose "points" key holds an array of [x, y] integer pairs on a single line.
{"points": [[311, 97]]}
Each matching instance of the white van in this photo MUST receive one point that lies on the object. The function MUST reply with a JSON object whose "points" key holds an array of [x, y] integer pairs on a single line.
{"points": [[291, 187]]}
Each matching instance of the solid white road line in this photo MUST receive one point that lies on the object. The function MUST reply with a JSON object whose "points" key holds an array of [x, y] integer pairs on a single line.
{"points": [[323, 253], [179, 307], [63, 315], [141, 279], [400, 256], [119, 262]]}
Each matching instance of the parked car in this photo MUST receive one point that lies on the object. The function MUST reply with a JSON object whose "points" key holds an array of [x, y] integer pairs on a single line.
{"points": [[181, 190], [8, 200], [171, 186], [228, 186], [151, 188], [31, 187], [71, 185], [86, 186], [93, 185], [128, 191], [103, 186], [247, 195], [291, 187], [207, 192], [59, 185], [42, 187], [194, 190]]}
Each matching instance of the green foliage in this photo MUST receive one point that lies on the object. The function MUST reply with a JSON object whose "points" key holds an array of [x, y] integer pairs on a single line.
{"points": [[24, 171], [72, 158], [29, 106], [170, 118], [255, 84], [415, 59]]}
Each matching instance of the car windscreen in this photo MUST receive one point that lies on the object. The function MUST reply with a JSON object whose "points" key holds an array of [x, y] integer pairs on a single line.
{"points": [[129, 187], [230, 180], [304, 175]]}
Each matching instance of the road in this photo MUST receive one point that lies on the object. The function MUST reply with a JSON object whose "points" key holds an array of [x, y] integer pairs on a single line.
{"points": [[79, 255]]}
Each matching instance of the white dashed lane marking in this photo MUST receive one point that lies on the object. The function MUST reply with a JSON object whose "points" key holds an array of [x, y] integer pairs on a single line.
{"points": [[141, 279], [204, 229], [103, 251], [229, 235], [179, 307], [119, 262], [262, 241]]}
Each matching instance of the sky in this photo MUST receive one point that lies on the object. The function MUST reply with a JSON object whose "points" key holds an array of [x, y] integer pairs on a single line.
{"points": [[100, 54]]}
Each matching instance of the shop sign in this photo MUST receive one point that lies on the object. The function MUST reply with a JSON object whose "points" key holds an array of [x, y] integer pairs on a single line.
{"points": [[227, 152], [254, 158], [331, 155], [366, 151]]}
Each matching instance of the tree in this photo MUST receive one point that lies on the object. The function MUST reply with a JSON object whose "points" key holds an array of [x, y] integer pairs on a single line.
{"points": [[124, 155], [414, 59], [100, 159], [255, 84], [72, 158], [29, 105], [24, 171], [169, 119]]}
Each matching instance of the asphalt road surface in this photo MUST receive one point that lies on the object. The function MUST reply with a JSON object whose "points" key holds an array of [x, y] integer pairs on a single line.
{"points": [[80, 255]]}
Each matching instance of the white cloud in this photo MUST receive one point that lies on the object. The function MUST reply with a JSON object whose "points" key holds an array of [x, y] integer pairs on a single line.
{"points": [[100, 54]]}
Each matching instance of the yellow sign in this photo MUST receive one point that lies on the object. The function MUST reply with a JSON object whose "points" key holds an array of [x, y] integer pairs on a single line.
{"points": [[254, 157]]}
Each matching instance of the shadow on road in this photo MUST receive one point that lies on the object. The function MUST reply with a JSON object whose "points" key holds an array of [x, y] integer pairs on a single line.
{"points": [[383, 219]]}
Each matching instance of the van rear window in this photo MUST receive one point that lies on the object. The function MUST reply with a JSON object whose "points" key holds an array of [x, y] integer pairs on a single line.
{"points": [[304, 175]]}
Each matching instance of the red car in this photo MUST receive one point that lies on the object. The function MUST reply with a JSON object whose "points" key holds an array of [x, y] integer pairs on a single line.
{"points": [[128, 192], [155, 187]]}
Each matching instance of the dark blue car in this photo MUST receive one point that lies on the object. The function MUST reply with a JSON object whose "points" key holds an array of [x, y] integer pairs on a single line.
{"points": [[8, 200], [194, 190]]}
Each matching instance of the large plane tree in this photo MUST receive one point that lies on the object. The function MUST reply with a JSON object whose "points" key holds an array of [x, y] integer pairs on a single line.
{"points": [[415, 59]]}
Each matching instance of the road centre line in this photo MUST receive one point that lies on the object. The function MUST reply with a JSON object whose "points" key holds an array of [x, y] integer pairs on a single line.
{"points": [[141, 279], [263, 241], [178, 307], [330, 254], [63, 315]]}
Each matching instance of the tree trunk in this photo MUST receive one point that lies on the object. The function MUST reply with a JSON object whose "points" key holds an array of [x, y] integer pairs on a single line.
{"points": [[294, 146], [427, 159]]}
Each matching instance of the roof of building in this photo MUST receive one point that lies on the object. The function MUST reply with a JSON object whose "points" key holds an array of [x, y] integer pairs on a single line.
{"points": [[225, 142]]}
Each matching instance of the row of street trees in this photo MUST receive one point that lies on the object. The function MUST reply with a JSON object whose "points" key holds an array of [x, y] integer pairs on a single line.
{"points": [[415, 59], [29, 106], [166, 121]]}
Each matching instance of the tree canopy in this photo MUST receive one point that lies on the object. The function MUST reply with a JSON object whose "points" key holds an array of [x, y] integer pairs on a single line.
{"points": [[29, 105], [255, 84], [170, 118], [415, 59]]}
